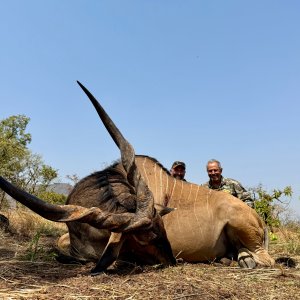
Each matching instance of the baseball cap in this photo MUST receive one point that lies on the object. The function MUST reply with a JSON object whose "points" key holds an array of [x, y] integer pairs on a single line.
{"points": [[177, 164]]}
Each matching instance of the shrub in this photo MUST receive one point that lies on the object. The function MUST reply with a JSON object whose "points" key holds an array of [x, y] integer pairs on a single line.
{"points": [[52, 197], [270, 205]]}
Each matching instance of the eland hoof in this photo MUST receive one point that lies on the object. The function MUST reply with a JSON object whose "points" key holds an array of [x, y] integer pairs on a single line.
{"points": [[97, 271], [246, 261]]}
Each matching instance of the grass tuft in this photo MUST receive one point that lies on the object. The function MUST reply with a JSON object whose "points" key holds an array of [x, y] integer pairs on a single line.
{"points": [[26, 223]]}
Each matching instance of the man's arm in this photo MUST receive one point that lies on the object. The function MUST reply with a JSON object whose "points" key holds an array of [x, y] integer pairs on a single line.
{"points": [[243, 194]]}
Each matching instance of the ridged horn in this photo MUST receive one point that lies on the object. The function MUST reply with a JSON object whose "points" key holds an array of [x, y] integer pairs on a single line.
{"points": [[57, 213], [127, 151], [67, 213], [145, 203]]}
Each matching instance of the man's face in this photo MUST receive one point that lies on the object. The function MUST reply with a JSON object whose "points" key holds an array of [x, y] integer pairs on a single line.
{"points": [[178, 172], [214, 172]]}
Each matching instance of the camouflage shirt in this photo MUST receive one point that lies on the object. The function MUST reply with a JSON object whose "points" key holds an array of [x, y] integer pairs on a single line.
{"points": [[234, 188]]}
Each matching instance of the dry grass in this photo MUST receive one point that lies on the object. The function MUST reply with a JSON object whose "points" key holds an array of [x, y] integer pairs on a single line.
{"points": [[26, 223], [288, 242], [47, 279]]}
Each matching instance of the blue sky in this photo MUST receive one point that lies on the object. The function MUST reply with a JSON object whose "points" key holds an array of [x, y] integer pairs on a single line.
{"points": [[183, 80]]}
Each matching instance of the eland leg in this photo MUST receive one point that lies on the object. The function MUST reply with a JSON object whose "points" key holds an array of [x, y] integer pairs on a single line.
{"points": [[110, 253], [63, 247], [247, 232]]}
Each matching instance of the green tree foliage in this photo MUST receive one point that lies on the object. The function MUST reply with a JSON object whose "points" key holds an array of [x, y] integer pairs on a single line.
{"points": [[13, 145], [35, 175], [270, 205], [17, 163], [52, 197]]}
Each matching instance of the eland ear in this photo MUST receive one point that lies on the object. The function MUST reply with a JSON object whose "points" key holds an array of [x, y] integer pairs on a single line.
{"points": [[163, 210]]}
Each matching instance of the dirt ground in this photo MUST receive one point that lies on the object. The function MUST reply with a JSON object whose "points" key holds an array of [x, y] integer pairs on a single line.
{"points": [[45, 278]]}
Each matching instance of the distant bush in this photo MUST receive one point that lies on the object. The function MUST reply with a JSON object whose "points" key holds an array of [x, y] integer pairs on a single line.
{"points": [[270, 205], [52, 197]]}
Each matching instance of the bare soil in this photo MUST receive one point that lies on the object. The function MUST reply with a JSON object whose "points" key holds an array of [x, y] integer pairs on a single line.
{"points": [[45, 278]]}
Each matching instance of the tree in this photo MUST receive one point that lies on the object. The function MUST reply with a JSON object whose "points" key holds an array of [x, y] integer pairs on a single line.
{"points": [[17, 163], [74, 178], [270, 205], [13, 145]]}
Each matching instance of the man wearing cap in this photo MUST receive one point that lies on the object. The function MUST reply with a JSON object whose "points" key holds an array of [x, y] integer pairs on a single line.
{"points": [[178, 170], [219, 183]]}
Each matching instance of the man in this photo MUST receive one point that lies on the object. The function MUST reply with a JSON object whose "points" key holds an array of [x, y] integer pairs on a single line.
{"points": [[219, 183], [178, 170]]}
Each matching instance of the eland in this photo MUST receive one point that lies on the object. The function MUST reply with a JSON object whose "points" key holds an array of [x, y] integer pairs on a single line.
{"points": [[135, 210]]}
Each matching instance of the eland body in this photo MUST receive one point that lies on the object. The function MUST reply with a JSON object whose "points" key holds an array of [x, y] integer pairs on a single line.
{"points": [[117, 213]]}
